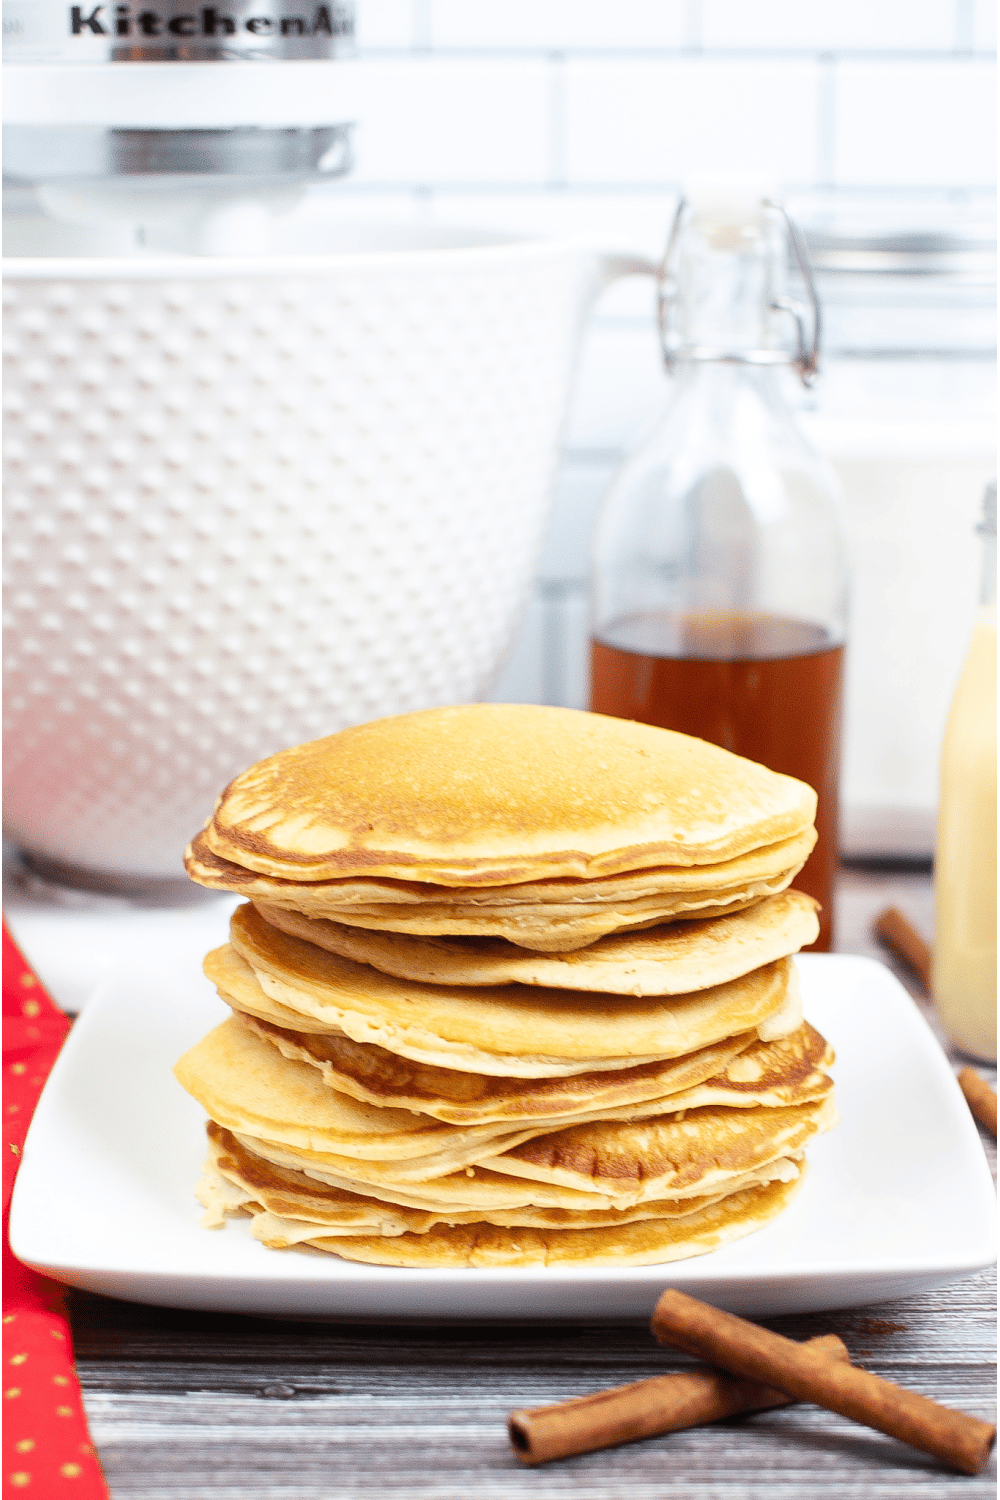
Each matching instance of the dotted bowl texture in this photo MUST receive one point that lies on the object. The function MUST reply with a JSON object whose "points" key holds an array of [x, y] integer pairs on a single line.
{"points": [[246, 508]]}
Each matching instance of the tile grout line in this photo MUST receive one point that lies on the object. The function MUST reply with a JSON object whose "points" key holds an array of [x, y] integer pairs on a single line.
{"points": [[965, 25], [691, 36], [420, 27]]}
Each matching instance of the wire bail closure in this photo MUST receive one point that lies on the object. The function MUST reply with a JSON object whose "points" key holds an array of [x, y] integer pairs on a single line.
{"points": [[805, 356]]}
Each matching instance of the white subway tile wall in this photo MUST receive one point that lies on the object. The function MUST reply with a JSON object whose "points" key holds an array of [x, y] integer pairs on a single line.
{"points": [[915, 124], [553, 117], [558, 24], [984, 26], [848, 26], [663, 119], [386, 23], [467, 119]]}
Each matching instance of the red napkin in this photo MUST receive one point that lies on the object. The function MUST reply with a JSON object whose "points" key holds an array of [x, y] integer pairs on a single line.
{"points": [[47, 1450]]}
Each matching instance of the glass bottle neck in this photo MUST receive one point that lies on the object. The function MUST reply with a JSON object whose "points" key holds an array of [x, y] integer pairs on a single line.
{"points": [[727, 283], [723, 378], [727, 396]]}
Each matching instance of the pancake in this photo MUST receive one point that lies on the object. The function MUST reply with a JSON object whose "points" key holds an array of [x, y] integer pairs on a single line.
{"points": [[768, 1075], [289, 1208], [592, 1166], [672, 960], [652, 1242], [479, 1191], [510, 1031], [378, 1077], [560, 929], [209, 869], [516, 990], [551, 925], [666, 1157], [235, 1177], [495, 794], [742, 1071], [246, 1085]]}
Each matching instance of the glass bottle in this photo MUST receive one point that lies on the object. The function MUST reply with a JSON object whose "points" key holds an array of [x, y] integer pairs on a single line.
{"points": [[964, 969], [720, 575]]}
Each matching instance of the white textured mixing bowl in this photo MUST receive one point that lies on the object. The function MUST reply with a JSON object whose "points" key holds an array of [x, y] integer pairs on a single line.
{"points": [[251, 501]]}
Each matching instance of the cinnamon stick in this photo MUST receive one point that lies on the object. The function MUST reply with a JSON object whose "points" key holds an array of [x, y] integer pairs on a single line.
{"points": [[980, 1098], [895, 931], [729, 1342], [667, 1403]]}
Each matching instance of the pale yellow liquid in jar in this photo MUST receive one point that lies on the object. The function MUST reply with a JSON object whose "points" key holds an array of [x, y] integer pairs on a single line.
{"points": [[965, 864]]}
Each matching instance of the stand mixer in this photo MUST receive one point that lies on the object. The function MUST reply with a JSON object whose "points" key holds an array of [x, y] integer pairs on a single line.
{"points": [[267, 475], [175, 129]]}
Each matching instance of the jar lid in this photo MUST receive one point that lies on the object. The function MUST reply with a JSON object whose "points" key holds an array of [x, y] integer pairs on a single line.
{"points": [[901, 254], [912, 239]]}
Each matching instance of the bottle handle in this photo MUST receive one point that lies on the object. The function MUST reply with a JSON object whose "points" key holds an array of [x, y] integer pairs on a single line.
{"points": [[806, 356]]}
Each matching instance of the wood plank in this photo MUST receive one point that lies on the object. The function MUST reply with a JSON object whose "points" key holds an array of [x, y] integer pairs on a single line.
{"points": [[182, 1404]]}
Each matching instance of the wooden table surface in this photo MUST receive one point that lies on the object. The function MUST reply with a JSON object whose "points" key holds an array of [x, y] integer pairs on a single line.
{"points": [[185, 1405]]}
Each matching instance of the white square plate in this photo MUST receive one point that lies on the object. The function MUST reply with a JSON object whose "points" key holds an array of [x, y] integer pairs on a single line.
{"points": [[899, 1196]]}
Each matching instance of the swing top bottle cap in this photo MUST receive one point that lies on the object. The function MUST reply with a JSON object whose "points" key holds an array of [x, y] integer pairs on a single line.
{"points": [[728, 204]]}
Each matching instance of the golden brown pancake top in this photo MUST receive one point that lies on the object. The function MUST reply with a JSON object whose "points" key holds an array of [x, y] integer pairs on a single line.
{"points": [[489, 794]]}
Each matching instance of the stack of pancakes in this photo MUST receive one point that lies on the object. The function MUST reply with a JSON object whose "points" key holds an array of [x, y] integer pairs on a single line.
{"points": [[513, 986]]}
